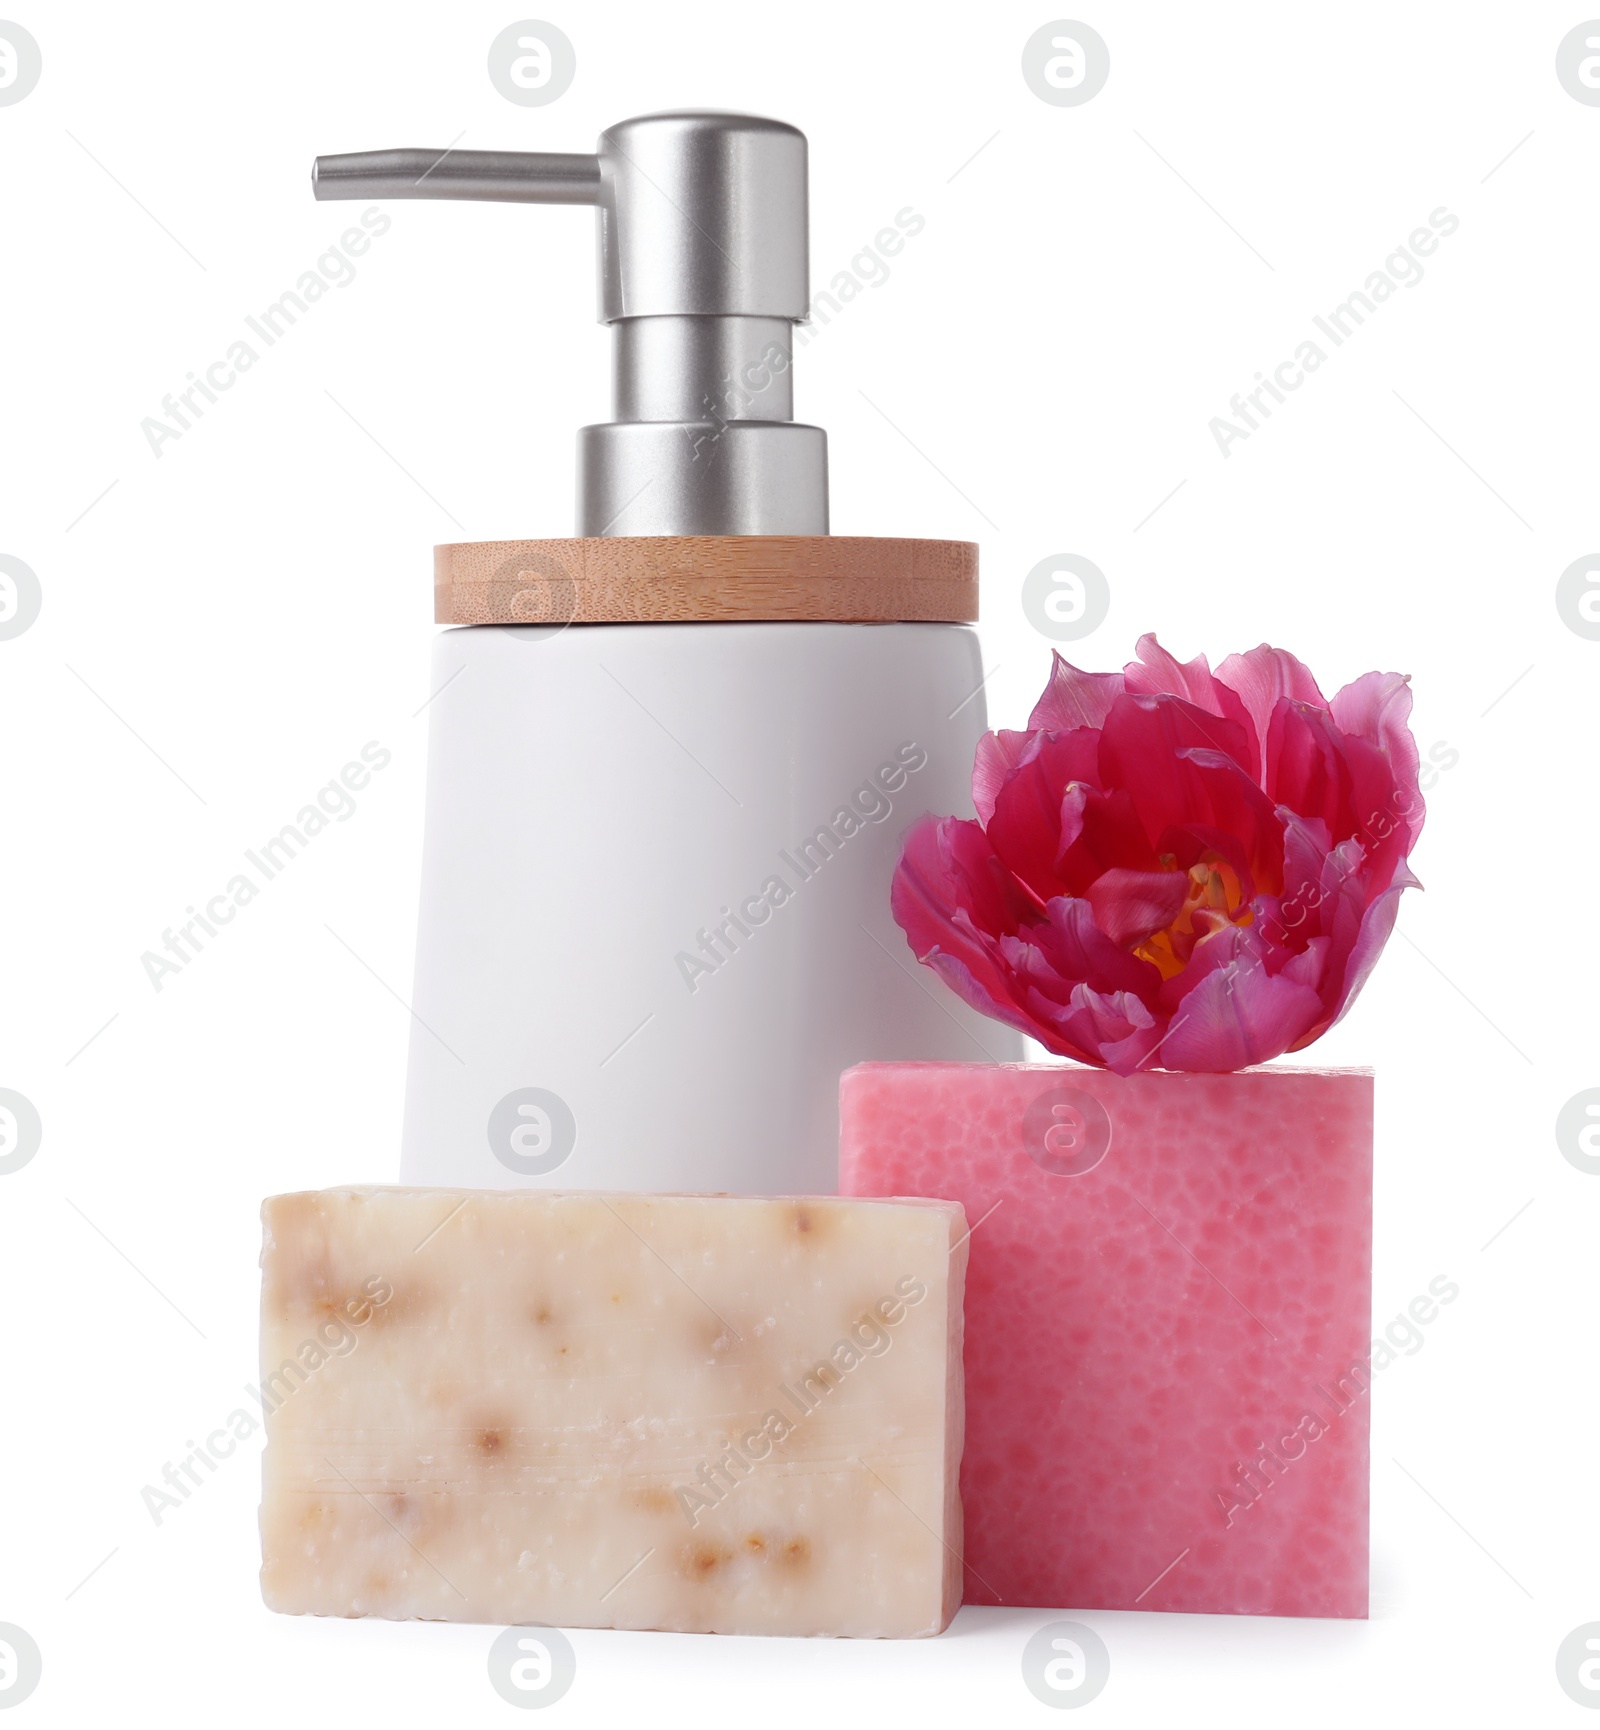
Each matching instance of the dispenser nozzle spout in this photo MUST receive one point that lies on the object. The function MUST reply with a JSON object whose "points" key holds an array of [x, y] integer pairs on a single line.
{"points": [[494, 176]]}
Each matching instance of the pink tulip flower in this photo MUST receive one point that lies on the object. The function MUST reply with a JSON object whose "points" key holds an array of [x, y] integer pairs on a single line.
{"points": [[1174, 868]]}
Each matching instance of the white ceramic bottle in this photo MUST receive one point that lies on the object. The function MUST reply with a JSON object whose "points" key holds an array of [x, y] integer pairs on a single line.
{"points": [[671, 759]]}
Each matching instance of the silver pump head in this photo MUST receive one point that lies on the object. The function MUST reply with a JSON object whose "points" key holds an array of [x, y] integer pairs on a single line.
{"points": [[702, 226]]}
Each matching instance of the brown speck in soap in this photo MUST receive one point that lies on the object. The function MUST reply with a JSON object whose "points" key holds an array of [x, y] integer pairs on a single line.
{"points": [[653, 1499], [544, 1315], [810, 1224], [712, 1337], [701, 1561], [756, 1544], [796, 1553], [490, 1441]]}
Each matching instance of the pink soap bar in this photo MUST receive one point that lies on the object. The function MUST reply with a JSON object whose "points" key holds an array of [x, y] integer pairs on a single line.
{"points": [[1168, 1329]]}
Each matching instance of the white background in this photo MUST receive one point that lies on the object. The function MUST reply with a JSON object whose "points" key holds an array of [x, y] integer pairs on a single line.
{"points": [[230, 622]]}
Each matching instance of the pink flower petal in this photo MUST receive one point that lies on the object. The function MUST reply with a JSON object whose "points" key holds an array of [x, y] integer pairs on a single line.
{"points": [[946, 888], [1099, 831], [1117, 1027], [997, 755], [1076, 948], [1025, 829], [1140, 749], [1124, 1056], [1261, 676], [1130, 906], [1183, 768], [1376, 924], [1074, 698], [1377, 708], [1317, 771], [1238, 1015], [1158, 673]]}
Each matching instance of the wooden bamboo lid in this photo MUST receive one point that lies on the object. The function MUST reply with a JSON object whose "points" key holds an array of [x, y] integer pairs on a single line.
{"points": [[682, 579]]}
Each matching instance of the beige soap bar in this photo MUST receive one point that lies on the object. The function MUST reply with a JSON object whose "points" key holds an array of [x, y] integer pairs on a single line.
{"points": [[705, 1413]]}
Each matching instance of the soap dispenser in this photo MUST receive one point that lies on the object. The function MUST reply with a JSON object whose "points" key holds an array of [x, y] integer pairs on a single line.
{"points": [[671, 758]]}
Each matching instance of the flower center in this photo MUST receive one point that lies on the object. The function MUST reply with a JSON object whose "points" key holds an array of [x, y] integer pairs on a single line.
{"points": [[1215, 900]]}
